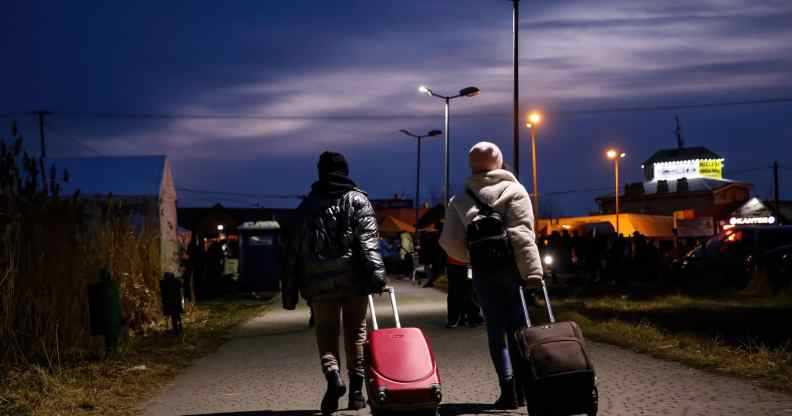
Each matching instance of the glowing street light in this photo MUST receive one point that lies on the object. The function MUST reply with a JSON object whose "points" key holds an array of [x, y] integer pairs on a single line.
{"points": [[220, 227], [615, 156], [534, 119], [432, 133], [465, 92]]}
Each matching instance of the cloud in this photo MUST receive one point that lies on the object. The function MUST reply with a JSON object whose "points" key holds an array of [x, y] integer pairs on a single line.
{"points": [[322, 64]]}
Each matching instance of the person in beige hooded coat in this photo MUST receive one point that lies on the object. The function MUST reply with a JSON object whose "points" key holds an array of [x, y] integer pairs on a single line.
{"points": [[501, 304]]}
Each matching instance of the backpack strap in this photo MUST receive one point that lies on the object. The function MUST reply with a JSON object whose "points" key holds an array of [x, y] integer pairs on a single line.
{"points": [[485, 208]]}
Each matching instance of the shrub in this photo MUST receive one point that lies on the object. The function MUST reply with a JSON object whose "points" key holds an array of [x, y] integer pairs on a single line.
{"points": [[50, 251]]}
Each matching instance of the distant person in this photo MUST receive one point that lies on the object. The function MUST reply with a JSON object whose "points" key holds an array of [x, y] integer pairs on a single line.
{"points": [[195, 267], [333, 260], [214, 262], [457, 274], [427, 250], [439, 260], [463, 307], [499, 296], [406, 253]]}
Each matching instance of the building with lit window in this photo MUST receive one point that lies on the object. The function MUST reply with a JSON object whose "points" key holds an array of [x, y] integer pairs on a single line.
{"points": [[684, 179]]}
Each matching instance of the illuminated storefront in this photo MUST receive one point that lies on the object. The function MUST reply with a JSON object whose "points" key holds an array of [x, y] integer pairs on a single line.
{"points": [[757, 212], [686, 179]]}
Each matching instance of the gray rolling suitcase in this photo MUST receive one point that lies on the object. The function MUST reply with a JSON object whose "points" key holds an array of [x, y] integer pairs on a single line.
{"points": [[559, 375]]}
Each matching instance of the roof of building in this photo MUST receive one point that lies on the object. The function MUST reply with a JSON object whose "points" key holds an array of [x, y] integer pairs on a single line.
{"points": [[260, 225], [117, 175], [393, 226], [782, 208], [756, 207], [656, 226], [684, 153], [432, 216], [694, 185], [192, 217]]}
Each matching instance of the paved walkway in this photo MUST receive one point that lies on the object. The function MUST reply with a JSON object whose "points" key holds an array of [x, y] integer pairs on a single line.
{"points": [[270, 367]]}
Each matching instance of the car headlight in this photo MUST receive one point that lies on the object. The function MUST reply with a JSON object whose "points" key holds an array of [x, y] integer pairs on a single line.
{"points": [[548, 260]]}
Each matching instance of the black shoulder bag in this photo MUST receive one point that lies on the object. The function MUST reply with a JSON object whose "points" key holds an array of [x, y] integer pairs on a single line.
{"points": [[488, 243]]}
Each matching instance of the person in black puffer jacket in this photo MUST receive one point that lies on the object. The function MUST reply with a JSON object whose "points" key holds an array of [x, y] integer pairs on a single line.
{"points": [[333, 260]]}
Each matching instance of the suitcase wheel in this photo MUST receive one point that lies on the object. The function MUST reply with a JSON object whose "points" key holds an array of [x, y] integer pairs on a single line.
{"points": [[594, 401], [428, 412]]}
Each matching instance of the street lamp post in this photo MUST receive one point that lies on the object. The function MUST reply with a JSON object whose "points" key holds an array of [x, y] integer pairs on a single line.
{"points": [[534, 119], [615, 155], [418, 170], [465, 92], [516, 90]]}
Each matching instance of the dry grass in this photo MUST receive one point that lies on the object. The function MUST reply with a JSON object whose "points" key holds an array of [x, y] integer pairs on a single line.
{"points": [[767, 363], [115, 386]]}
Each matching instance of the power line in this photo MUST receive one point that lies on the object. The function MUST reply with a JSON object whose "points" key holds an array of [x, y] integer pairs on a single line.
{"points": [[364, 116], [580, 191], [78, 142], [610, 188], [173, 116], [17, 114], [747, 170], [261, 196], [204, 201], [680, 106]]}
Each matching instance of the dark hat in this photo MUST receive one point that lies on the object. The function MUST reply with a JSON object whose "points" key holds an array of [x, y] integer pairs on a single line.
{"points": [[332, 162]]}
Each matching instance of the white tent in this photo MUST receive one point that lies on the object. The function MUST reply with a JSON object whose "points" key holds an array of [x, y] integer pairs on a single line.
{"points": [[144, 183]]}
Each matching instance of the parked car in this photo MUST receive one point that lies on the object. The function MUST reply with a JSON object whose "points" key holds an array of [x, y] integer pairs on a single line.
{"points": [[727, 260], [777, 264]]}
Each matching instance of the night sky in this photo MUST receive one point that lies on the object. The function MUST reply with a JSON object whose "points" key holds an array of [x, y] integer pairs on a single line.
{"points": [[343, 75]]}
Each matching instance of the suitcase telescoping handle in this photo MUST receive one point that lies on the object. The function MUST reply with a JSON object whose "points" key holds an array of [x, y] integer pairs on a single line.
{"points": [[547, 302], [392, 295]]}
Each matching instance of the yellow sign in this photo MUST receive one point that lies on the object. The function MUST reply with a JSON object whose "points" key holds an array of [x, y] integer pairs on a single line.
{"points": [[711, 168]]}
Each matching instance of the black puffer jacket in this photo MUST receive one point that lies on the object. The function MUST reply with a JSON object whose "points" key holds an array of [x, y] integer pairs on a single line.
{"points": [[333, 249]]}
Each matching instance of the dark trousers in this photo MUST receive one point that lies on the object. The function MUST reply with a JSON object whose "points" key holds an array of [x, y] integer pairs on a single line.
{"points": [[463, 307], [504, 315]]}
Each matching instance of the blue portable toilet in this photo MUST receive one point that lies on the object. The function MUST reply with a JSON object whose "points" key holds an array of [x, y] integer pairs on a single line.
{"points": [[260, 254]]}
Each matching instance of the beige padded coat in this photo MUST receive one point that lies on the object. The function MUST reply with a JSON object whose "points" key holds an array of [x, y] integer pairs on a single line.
{"points": [[501, 190]]}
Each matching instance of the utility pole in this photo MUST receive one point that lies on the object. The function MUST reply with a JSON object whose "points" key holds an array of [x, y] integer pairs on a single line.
{"points": [[446, 161], [516, 126], [41, 115], [616, 161], [776, 197], [418, 186]]}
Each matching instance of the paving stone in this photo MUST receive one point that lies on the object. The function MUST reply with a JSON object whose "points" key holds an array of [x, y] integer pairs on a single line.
{"points": [[271, 367]]}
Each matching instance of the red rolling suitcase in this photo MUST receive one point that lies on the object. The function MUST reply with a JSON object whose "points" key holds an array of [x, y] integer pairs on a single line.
{"points": [[402, 372]]}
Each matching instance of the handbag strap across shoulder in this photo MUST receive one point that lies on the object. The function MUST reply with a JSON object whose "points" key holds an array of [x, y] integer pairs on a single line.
{"points": [[485, 208]]}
